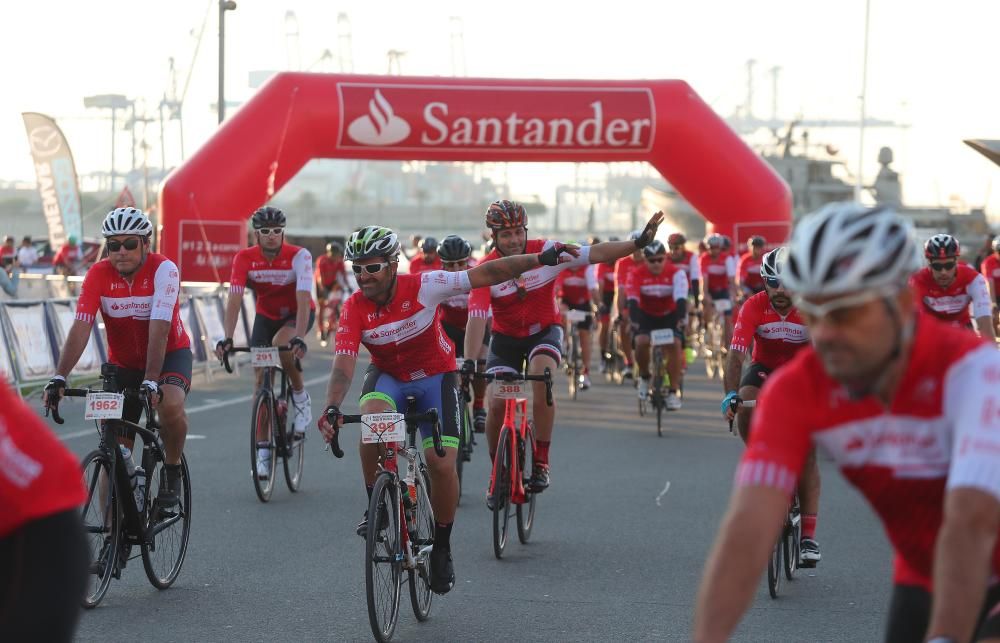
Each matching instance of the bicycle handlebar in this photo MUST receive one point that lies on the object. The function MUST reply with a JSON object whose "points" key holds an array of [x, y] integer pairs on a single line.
{"points": [[246, 349], [734, 405], [507, 376], [411, 419], [83, 392]]}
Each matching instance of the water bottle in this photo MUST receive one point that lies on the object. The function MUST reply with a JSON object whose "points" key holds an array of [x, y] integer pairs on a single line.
{"points": [[133, 477], [139, 487]]}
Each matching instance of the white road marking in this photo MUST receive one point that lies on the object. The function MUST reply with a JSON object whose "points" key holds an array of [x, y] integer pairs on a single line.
{"points": [[666, 488]]}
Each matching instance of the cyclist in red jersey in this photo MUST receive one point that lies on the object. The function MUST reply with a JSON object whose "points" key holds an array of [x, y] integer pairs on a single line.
{"points": [[623, 267], [576, 289], [331, 281], [136, 292], [427, 259], [908, 407], [770, 322], [719, 288], [43, 553], [946, 287], [606, 284], [687, 261], [748, 268], [990, 269], [281, 276], [660, 302], [527, 333], [396, 317]]}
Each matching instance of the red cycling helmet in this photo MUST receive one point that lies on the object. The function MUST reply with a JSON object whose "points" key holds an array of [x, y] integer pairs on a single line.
{"points": [[505, 214], [676, 239]]}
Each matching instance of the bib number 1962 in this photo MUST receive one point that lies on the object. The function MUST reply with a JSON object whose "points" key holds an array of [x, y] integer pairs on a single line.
{"points": [[104, 406]]}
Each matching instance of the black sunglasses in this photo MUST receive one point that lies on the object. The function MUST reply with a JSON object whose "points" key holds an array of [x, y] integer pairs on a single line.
{"points": [[772, 282], [656, 260], [460, 262], [371, 269], [130, 244], [942, 266]]}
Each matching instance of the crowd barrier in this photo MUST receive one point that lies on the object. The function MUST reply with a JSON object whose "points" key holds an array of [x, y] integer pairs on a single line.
{"points": [[35, 323]]}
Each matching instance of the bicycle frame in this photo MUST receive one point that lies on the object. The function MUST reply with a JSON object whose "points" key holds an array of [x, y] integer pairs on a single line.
{"points": [[519, 429]]}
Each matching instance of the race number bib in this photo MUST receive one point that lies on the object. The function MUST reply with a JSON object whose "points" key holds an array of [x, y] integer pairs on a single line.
{"points": [[104, 406], [263, 357], [661, 337], [576, 316], [383, 427], [722, 305], [508, 390]]}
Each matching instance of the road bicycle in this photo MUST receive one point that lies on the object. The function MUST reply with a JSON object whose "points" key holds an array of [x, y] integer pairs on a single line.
{"points": [[515, 457], [658, 392], [574, 356], [712, 344], [331, 314], [269, 426], [400, 534], [614, 361], [122, 508], [466, 438]]}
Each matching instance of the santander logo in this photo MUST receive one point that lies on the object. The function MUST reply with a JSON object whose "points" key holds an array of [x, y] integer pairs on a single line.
{"points": [[526, 119], [380, 126]]}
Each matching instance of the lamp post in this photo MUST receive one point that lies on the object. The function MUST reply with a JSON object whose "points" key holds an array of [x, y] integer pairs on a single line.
{"points": [[859, 184], [224, 6], [114, 102]]}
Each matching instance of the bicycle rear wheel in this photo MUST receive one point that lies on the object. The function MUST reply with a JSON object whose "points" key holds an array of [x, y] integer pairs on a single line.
{"points": [[526, 510], [657, 395], [383, 558], [167, 530], [502, 464], [263, 422], [295, 453], [793, 538], [464, 447], [774, 568], [421, 539], [100, 524], [574, 364]]}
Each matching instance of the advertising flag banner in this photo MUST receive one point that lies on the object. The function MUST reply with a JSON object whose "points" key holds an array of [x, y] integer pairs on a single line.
{"points": [[57, 181]]}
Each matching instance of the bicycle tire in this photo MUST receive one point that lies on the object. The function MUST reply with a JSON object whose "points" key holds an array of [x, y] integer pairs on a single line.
{"points": [[263, 416], [774, 568], [463, 439], [502, 465], [574, 364], [421, 595], [657, 393], [295, 454], [793, 538], [526, 511], [166, 540], [383, 548], [103, 528]]}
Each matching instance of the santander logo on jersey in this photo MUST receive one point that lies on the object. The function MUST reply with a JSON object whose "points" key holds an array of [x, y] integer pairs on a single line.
{"points": [[520, 118]]}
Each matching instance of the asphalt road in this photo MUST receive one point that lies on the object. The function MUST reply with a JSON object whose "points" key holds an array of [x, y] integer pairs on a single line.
{"points": [[616, 554]]}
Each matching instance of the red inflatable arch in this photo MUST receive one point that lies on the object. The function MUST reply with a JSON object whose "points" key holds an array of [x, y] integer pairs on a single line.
{"points": [[295, 117]]}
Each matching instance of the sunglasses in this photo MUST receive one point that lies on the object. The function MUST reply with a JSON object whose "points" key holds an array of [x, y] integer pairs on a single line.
{"points": [[455, 264], [270, 231], [656, 260], [130, 244], [938, 267], [371, 269], [772, 282]]}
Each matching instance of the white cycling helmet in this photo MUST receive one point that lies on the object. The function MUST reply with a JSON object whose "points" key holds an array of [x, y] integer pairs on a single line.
{"points": [[126, 221], [772, 264], [847, 248]]}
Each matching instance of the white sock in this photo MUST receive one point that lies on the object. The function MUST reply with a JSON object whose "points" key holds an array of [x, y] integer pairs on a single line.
{"points": [[300, 396]]}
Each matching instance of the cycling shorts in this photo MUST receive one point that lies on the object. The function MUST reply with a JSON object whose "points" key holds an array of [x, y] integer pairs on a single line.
{"points": [[643, 323], [511, 353], [720, 294], [755, 375], [607, 300], [910, 609], [265, 328], [176, 371], [457, 335], [439, 392], [588, 323]]}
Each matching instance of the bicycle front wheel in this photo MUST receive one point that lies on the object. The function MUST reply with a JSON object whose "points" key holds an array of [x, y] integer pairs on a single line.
{"points": [[100, 524], [295, 453], [526, 462], [383, 558], [574, 364], [262, 425], [774, 568], [421, 542], [502, 465], [167, 531]]}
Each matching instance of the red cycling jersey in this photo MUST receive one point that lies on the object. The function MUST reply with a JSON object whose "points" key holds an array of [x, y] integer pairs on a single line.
{"points": [[940, 432], [951, 304], [275, 281], [573, 286], [991, 271], [418, 264], [404, 336], [127, 307], [455, 311], [623, 267], [606, 276], [39, 476], [657, 295], [330, 272], [717, 272], [68, 256], [776, 339], [527, 305], [689, 264], [748, 270]]}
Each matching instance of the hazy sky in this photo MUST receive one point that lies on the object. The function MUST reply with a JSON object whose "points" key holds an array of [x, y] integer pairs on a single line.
{"points": [[929, 65]]}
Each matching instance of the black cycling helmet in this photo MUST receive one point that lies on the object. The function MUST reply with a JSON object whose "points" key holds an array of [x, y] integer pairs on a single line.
{"points": [[429, 244], [267, 217], [454, 248], [334, 248], [653, 248], [756, 241], [941, 246]]}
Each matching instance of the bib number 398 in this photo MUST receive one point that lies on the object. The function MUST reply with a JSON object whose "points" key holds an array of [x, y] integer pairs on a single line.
{"points": [[263, 357], [104, 406], [383, 427]]}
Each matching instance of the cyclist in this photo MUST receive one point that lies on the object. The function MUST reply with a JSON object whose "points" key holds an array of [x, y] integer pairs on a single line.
{"points": [[946, 287], [136, 292], [908, 408], [43, 553], [395, 317], [331, 281], [661, 290], [719, 272], [623, 267], [526, 324], [456, 255], [427, 259], [771, 322], [990, 269], [576, 290], [748, 269], [688, 262], [605, 273], [281, 276]]}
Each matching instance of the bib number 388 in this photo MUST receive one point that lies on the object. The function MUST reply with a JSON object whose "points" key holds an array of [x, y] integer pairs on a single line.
{"points": [[104, 406]]}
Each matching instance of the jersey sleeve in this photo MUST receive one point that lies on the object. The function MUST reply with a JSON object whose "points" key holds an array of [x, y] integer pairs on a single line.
{"points": [[972, 404], [238, 275], [695, 268], [680, 285], [746, 326], [166, 288], [302, 266], [90, 297], [980, 294], [479, 302], [438, 285], [348, 336], [591, 276], [780, 438], [730, 266]]}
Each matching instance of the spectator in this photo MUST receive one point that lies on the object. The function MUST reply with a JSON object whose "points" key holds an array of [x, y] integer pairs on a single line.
{"points": [[8, 283], [8, 253], [27, 255], [67, 260]]}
